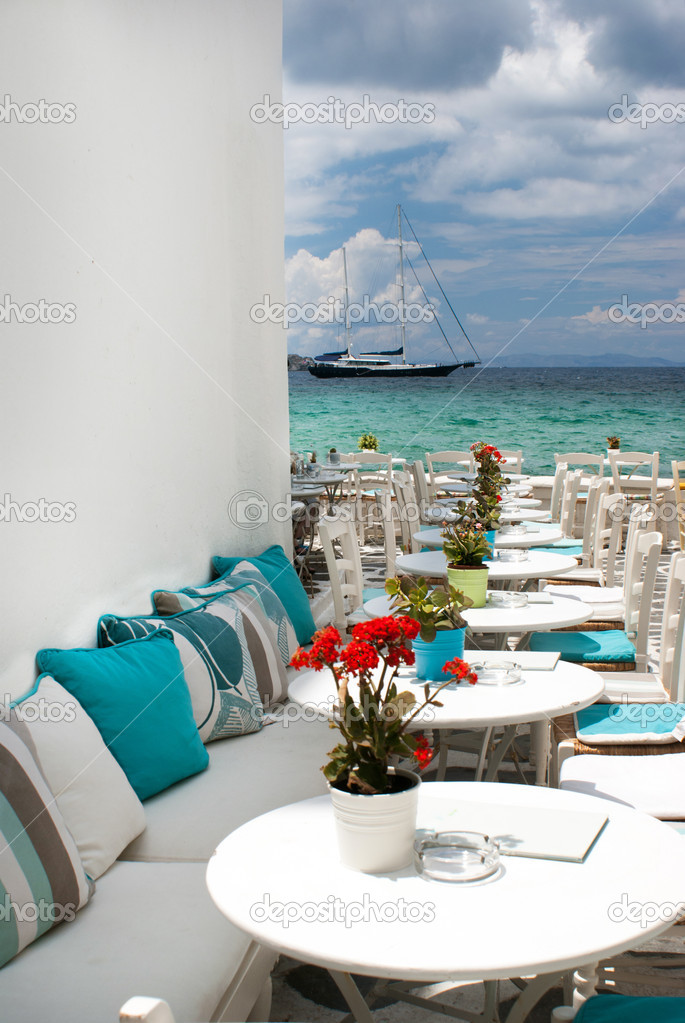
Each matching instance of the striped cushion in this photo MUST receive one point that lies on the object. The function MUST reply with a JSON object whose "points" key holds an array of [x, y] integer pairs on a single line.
{"points": [[265, 618], [606, 647], [216, 661], [42, 881]]}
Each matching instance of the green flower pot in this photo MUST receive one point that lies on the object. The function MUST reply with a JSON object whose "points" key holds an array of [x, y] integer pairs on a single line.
{"points": [[472, 580]]}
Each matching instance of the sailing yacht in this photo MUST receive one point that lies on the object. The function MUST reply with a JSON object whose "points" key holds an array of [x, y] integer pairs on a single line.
{"points": [[379, 364]]}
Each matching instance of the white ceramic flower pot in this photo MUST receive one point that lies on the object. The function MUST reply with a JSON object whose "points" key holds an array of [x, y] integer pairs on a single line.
{"points": [[376, 833]]}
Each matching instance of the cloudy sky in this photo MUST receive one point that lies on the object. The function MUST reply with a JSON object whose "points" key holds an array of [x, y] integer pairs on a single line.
{"points": [[538, 210]]}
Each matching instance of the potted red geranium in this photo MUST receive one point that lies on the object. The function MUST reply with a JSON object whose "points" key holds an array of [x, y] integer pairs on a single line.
{"points": [[374, 720]]}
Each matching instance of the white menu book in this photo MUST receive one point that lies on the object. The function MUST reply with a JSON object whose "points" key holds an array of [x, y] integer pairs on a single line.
{"points": [[541, 833]]}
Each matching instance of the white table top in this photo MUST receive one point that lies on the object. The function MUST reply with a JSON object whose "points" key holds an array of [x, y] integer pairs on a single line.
{"points": [[509, 514], [522, 502], [306, 491], [561, 612], [540, 696], [538, 916], [517, 490], [538, 565], [547, 534]]}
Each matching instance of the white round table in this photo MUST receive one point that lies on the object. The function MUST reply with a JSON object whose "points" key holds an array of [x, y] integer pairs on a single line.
{"points": [[534, 617], [540, 695], [544, 536], [517, 513], [522, 502], [537, 566], [278, 878], [516, 490]]}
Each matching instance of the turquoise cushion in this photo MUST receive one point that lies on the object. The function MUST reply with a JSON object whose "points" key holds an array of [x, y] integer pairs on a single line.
{"points": [[277, 570], [625, 722], [611, 645], [138, 698], [573, 551], [630, 1009], [372, 591]]}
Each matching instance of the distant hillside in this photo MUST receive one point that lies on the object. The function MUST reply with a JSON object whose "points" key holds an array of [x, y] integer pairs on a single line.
{"points": [[297, 363], [535, 359]]}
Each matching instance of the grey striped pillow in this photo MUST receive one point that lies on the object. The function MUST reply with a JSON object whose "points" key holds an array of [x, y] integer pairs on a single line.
{"points": [[42, 880]]}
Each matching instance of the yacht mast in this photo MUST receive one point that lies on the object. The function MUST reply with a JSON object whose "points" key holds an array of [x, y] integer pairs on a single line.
{"points": [[402, 306], [347, 305]]}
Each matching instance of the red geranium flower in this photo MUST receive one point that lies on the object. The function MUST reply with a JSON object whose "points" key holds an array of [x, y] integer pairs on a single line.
{"points": [[460, 670]]}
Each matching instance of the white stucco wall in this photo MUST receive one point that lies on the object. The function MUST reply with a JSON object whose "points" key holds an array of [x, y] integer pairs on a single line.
{"points": [[158, 213]]}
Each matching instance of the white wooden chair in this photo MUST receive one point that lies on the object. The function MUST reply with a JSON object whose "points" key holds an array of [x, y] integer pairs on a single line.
{"points": [[385, 513], [606, 544], [513, 460], [628, 477], [451, 461], [341, 549], [408, 512], [584, 460], [432, 512], [679, 489], [663, 680], [363, 483], [609, 603]]}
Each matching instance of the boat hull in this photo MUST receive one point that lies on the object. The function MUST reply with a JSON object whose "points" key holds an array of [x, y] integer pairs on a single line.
{"points": [[331, 370]]}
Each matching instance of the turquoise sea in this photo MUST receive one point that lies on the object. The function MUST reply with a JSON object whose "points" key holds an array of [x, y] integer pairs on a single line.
{"points": [[539, 410]]}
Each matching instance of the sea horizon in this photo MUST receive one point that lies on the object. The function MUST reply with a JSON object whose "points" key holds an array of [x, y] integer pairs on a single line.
{"points": [[542, 410]]}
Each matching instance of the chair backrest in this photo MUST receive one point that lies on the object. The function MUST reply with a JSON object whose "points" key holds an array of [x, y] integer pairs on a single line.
{"points": [[679, 487], [608, 534], [639, 580], [597, 488], [384, 511], [569, 499], [672, 632], [344, 565], [451, 461], [584, 460], [407, 510], [560, 474], [626, 469], [420, 483], [513, 459]]}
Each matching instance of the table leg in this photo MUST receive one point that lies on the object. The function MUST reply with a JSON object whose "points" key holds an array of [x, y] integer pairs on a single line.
{"points": [[352, 995], [584, 984], [498, 756], [540, 741]]}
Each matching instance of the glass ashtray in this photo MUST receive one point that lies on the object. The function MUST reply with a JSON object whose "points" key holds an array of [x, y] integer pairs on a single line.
{"points": [[497, 673], [455, 856], [507, 598], [513, 530], [513, 554]]}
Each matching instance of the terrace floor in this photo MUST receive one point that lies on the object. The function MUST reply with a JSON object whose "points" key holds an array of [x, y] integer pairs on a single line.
{"points": [[303, 993]]}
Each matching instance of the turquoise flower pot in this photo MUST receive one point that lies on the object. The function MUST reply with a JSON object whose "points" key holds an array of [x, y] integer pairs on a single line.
{"points": [[490, 535], [430, 657]]}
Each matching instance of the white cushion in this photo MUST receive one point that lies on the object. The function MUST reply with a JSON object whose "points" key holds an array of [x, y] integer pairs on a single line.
{"points": [[150, 929], [632, 687], [589, 594], [247, 776], [100, 808], [653, 784]]}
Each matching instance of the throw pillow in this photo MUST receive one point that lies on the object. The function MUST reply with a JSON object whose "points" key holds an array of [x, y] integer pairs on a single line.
{"points": [[216, 662], [138, 698], [268, 628], [101, 810], [282, 577], [42, 880]]}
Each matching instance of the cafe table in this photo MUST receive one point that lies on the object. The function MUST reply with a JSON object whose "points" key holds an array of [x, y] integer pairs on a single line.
{"points": [[541, 535], [278, 878], [538, 565], [542, 613]]}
